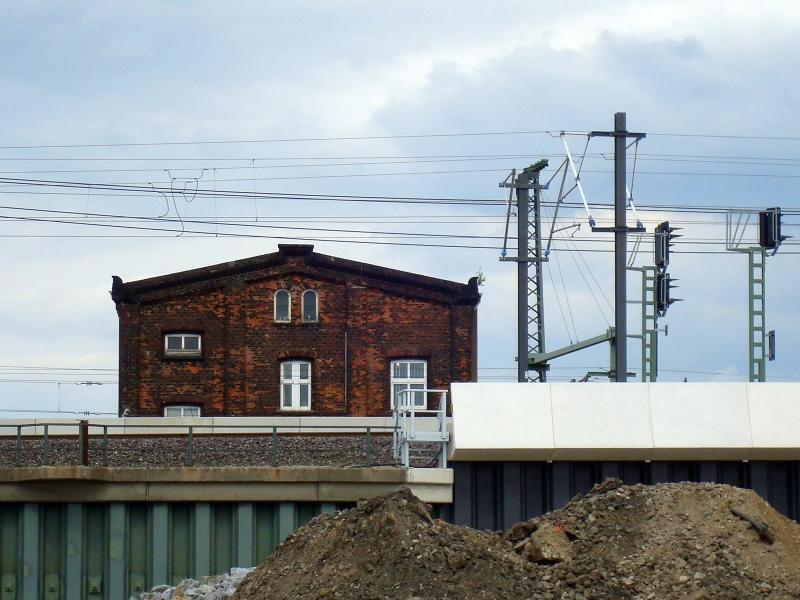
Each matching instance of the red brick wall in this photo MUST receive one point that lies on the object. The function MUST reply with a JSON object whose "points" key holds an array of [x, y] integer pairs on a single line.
{"points": [[359, 331]]}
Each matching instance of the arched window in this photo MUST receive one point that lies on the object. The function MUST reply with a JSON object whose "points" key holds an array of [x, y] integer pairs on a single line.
{"points": [[296, 385], [283, 306], [309, 306]]}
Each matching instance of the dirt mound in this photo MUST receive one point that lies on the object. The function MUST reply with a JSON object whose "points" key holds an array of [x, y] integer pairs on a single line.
{"points": [[670, 541], [387, 547]]}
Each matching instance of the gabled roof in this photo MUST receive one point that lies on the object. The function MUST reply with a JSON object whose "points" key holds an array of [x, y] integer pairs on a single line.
{"points": [[294, 258]]}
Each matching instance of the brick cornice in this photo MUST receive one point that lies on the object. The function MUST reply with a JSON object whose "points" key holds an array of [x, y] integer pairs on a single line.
{"points": [[291, 259]]}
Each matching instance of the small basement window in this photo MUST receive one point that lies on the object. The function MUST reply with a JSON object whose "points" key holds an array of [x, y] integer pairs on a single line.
{"points": [[309, 306], [179, 410], [183, 344]]}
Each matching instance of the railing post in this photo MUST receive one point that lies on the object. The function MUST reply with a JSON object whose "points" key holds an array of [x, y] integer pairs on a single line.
{"points": [[80, 443], [443, 431], [190, 449], [19, 446], [45, 444], [105, 445], [274, 446], [369, 446], [83, 443]]}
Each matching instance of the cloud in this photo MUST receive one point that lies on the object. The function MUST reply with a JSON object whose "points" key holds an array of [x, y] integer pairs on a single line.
{"points": [[153, 71]]}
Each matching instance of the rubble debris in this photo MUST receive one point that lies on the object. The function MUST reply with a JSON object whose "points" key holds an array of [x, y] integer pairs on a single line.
{"points": [[216, 587], [662, 542]]}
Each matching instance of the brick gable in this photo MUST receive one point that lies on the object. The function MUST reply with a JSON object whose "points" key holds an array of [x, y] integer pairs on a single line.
{"points": [[367, 316]]}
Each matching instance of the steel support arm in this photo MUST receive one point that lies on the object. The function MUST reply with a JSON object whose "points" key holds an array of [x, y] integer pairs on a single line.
{"points": [[537, 358]]}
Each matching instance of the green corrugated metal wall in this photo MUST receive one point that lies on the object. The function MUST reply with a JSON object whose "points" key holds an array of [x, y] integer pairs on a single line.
{"points": [[111, 551]]}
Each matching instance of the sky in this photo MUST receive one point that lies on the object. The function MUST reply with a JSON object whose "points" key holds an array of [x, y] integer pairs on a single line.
{"points": [[187, 134]]}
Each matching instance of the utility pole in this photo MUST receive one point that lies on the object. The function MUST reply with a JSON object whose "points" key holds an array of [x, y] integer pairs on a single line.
{"points": [[620, 230], [620, 246]]}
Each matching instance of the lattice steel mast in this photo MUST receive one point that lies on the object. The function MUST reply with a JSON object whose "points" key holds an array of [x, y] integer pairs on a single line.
{"points": [[530, 294]]}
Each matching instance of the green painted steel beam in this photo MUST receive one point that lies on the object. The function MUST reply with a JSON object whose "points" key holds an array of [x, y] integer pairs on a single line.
{"points": [[649, 325], [30, 588], [757, 326], [287, 519], [10, 544], [117, 559], [244, 534], [159, 544], [202, 539], [74, 550], [536, 358]]}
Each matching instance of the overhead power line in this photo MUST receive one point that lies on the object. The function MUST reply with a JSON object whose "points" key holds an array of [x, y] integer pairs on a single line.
{"points": [[276, 140], [374, 137]]}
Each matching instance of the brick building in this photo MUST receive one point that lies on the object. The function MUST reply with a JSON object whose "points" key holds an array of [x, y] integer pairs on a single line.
{"points": [[292, 332]]}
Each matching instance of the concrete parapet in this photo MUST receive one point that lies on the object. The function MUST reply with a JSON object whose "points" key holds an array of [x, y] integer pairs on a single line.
{"points": [[216, 484]]}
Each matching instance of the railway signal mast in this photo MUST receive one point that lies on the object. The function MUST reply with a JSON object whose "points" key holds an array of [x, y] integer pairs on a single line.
{"points": [[761, 343]]}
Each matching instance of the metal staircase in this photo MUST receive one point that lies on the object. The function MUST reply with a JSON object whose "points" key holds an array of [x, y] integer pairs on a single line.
{"points": [[415, 442]]}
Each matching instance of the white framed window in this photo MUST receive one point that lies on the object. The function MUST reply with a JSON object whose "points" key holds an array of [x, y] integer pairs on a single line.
{"points": [[181, 410], [310, 306], [283, 306], [409, 375], [183, 344], [296, 385]]}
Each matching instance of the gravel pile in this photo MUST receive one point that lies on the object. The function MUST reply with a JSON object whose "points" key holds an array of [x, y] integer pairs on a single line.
{"points": [[682, 541], [328, 450], [209, 588]]}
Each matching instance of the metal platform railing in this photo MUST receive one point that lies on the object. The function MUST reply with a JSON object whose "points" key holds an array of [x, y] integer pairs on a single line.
{"points": [[103, 436], [414, 443]]}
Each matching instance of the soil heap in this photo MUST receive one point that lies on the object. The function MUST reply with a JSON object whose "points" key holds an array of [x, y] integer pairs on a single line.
{"points": [[684, 541]]}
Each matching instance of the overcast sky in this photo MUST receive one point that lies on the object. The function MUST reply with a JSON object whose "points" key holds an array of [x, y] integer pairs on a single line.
{"points": [[375, 100]]}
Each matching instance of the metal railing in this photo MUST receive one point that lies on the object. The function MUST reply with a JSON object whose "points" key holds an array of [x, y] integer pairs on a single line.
{"points": [[86, 431], [406, 433]]}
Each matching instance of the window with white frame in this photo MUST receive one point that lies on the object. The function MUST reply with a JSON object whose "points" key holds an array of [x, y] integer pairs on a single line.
{"points": [[409, 375], [309, 306], [183, 345], [181, 410], [283, 306], [296, 385]]}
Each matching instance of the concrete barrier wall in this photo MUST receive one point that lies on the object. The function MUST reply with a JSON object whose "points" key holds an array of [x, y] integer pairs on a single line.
{"points": [[635, 421]]}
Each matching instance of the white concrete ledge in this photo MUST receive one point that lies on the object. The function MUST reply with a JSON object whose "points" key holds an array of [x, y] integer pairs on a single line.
{"points": [[633, 421]]}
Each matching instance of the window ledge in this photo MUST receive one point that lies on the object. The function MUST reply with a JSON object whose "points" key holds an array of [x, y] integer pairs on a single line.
{"points": [[183, 357]]}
